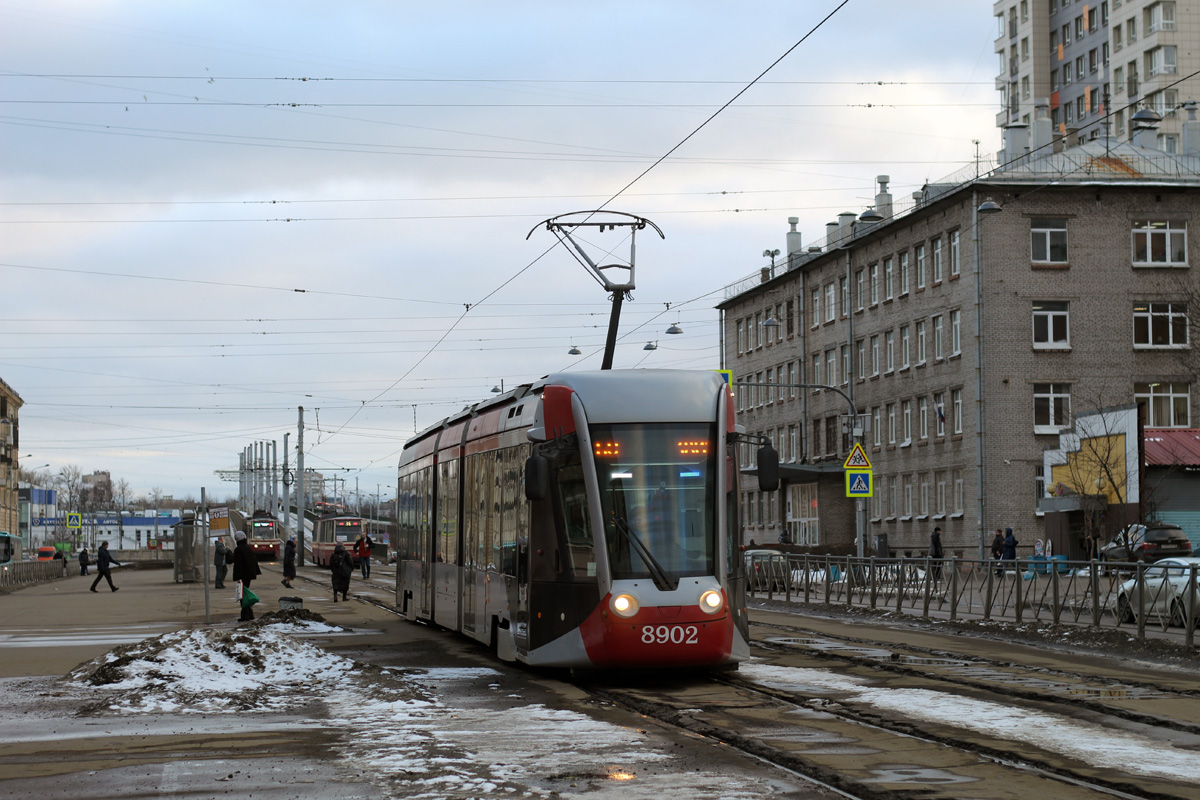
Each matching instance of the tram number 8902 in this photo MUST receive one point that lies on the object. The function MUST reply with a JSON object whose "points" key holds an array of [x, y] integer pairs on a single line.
{"points": [[670, 634]]}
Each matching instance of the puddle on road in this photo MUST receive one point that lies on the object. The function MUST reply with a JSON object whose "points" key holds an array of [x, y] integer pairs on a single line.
{"points": [[917, 775]]}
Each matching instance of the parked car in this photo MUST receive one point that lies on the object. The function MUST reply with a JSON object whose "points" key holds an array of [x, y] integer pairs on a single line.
{"points": [[1164, 594], [766, 570], [1147, 543], [46, 553]]}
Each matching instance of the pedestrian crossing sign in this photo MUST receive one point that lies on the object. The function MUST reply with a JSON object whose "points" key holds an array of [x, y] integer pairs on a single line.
{"points": [[857, 459], [859, 483], [74, 521]]}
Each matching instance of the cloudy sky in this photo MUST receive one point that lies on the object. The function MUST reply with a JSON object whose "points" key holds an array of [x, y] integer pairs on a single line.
{"points": [[214, 213]]}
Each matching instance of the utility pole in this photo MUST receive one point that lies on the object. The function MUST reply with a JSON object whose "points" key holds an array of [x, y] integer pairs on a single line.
{"points": [[300, 489], [287, 506], [201, 524]]}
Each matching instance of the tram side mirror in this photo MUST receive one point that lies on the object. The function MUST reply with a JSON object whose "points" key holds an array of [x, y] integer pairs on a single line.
{"points": [[768, 469], [537, 478]]}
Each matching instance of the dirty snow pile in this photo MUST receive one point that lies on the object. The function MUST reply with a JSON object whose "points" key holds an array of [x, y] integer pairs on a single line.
{"points": [[213, 670]]}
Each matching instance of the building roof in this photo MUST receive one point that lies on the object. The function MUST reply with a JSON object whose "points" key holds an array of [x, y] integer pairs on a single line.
{"points": [[1167, 447]]}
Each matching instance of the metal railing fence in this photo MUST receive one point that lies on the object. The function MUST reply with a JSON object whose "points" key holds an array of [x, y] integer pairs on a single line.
{"points": [[1139, 596], [24, 573]]}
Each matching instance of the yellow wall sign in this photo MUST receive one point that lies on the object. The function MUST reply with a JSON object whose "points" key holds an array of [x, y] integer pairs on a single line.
{"points": [[74, 521], [726, 374], [857, 459], [860, 483]]}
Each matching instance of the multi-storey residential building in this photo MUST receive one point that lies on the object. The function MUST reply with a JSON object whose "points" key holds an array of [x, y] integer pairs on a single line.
{"points": [[965, 340], [10, 440], [1085, 58]]}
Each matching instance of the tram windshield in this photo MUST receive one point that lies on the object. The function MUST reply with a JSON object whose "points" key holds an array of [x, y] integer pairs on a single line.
{"points": [[657, 484]]}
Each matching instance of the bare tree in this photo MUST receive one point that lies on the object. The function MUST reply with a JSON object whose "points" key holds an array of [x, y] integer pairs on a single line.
{"points": [[122, 494], [34, 477], [69, 483]]}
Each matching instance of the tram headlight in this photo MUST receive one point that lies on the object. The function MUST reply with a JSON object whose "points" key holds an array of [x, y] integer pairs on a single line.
{"points": [[711, 602], [624, 605]]}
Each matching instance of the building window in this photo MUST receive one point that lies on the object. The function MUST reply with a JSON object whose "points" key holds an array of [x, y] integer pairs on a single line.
{"points": [[903, 274], [831, 367], [844, 287], [760, 391], [830, 303], [903, 347], [940, 480], [1159, 242], [792, 380], [770, 387], [937, 260], [846, 371], [1048, 240], [1160, 325], [906, 417], [873, 279], [921, 342], [756, 333], [779, 327], [938, 325], [891, 423], [860, 285], [875, 355], [793, 443], [1039, 484], [861, 348], [954, 263], [887, 279], [924, 507], [831, 435], [791, 312], [741, 336], [889, 349], [1167, 404], [1051, 325], [875, 429], [1161, 61], [939, 410], [1051, 407], [816, 370], [920, 265], [955, 333], [956, 406], [816, 307], [1161, 17], [923, 418]]}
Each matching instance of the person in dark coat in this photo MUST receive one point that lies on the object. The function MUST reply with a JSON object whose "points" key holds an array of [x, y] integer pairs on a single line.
{"points": [[936, 552], [104, 563], [245, 568], [341, 567], [289, 561], [83, 561], [220, 563], [998, 549], [1010, 546]]}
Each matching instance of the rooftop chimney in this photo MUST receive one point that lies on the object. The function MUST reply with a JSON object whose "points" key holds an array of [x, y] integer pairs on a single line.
{"points": [[831, 235], [846, 226], [1016, 144], [1146, 136], [1191, 131], [883, 200], [793, 237], [1043, 129]]}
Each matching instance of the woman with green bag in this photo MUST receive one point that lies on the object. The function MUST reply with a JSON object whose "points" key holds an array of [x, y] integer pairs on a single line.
{"points": [[245, 570]]}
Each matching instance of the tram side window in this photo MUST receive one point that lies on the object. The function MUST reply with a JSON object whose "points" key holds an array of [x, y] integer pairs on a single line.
{"points": [[733, 528], [481, 500], [447, 502], [576, 528], [509, 501]]}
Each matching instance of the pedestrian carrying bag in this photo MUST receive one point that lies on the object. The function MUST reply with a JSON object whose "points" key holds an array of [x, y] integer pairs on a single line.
{"points": [[237, 590], [249, 598], [228, 557]]}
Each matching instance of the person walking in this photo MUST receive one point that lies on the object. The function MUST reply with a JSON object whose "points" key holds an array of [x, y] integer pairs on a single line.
{"points": [[341, 567], [83, 561], [245, 569], [936, 553], [104, 564], [289, 561], [220, 563], [362, 549], [1009, 552], [998, 549]]}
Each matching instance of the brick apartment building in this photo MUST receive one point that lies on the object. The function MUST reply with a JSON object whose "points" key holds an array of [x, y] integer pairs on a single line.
{"points": [[966, 329], [10, 440]]}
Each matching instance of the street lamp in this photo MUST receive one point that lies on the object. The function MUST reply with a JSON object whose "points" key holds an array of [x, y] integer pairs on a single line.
{"points": [[870, 216], [987, 208], [650, 346], [574, 351], [675, 329]]}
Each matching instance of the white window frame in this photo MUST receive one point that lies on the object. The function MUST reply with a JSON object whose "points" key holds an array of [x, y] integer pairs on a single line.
{"points": [[873, 283], [938, 329], [904, 337], [888, 279], [939, 413], [955, 265], [955, 333], [921, 344], [906, 421], [1165, 238], [816, 308], [937, 261], [830, 302], [1052, 395], [923, 417], [919, 251], [1046, 314], [903, 270], [1048, 234], [1153, 320], [1163, 407], [956, 403], [874, 355], [889, 351]]}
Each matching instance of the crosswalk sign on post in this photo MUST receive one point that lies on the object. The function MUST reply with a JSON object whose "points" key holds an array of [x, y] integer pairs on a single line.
{"points": [[860, 483], [75, 521]]}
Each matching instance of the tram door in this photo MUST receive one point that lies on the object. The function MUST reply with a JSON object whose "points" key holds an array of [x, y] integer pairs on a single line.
{"points": [[519, 520], [425, 530]]}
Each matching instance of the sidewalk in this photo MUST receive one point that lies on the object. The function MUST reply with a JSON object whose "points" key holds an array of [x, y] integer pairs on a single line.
{"points": [[49, 628]]}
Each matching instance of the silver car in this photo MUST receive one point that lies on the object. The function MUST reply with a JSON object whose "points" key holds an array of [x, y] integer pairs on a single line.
{"points": [[1164, 593]]}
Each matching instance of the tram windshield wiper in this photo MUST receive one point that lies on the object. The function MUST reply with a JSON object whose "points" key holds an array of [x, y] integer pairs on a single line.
{"points": [[657, 574]]}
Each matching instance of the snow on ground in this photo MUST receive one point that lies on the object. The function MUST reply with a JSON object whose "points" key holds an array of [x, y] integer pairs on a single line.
{"points": [[1093, 744], [429, 733]]}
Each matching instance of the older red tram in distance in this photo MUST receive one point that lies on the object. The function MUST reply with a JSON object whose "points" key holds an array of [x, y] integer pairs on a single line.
{"points": [[331, 529], [588, 520], [264, 536]]}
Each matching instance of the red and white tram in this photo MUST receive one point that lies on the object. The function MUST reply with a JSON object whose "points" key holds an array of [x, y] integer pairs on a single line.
{"points": [[263, 535], [588, 520], [329, 531]]}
